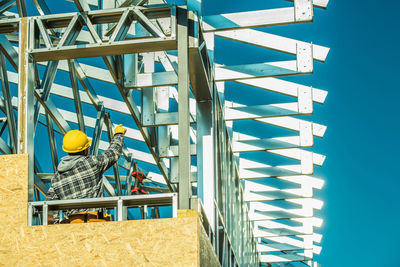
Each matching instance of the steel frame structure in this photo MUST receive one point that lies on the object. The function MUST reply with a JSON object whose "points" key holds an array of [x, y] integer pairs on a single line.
{"points": [[161, 59]]}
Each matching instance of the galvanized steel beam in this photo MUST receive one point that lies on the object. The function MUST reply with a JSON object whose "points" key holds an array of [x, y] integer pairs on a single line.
{"points": [[75, 92], [6, 4], [26, 101], [12, 128], [185, 187], [8, 50]]}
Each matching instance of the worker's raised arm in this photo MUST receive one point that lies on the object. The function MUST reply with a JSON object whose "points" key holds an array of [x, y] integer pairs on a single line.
{"points": [[114, 151]]}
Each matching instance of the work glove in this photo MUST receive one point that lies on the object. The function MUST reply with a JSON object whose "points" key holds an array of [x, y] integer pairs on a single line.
{"points": [[119, 129]]}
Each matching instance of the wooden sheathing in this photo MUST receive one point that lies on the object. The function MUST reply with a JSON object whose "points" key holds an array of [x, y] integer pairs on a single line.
{"points": [[160, 242]]}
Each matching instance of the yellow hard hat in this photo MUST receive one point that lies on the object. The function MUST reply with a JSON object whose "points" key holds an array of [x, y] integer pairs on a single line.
{"points": [[75, 141]]}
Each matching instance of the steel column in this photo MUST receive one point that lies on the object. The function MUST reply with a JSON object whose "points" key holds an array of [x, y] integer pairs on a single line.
{"points": [[205, 159], [183, 109], [26, 100]]}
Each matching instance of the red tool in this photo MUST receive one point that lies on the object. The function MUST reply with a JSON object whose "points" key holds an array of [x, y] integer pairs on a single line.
{"points": [[138, 189], [139, 177]]}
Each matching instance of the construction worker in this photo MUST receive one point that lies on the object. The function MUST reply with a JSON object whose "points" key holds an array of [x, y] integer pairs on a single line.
{"points": [[80, 175]]}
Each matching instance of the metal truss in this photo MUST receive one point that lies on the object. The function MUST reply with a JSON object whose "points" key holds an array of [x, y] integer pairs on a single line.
{"points": [[152, 66]]}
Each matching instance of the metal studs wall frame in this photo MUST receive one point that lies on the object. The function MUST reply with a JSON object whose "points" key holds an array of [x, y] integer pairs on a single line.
{"points": [[151, 65]]}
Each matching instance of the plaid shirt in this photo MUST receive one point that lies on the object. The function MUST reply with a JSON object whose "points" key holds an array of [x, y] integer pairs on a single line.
{"points": [[85, 178]]}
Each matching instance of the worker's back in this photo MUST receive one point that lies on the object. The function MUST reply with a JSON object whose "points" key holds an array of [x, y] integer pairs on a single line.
{"points": [[80, 176]]}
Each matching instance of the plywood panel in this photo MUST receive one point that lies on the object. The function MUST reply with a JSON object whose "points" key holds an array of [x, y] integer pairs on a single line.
{"points": [[137, 243], [162, 242]]}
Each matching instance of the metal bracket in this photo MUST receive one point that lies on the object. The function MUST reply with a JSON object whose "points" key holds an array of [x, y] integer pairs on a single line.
{"points": [[304, 57], [303, 10]]}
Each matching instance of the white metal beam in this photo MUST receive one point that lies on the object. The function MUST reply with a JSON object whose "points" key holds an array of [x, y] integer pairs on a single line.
{"points": [[283, 258], [272, 41], [258, 70], [249, 19]]}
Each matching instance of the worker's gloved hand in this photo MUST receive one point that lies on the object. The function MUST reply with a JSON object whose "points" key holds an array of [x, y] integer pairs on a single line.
{"points": [[119, 129]]}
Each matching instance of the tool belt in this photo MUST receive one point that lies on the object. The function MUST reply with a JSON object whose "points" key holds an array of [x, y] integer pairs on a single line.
{"points": [[88, 217]]}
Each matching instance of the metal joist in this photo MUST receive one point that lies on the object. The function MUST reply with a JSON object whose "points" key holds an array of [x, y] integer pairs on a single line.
{"points": [[52, 141], [4, 148], [97, 130], [75, 92], [82, 5], [283, 258], [132, 168], [48, 79], [266, 144], [253, 19], [155, 79], [54, 113], [101, 50], [127, 3], [42, 7], [122, 27], [277, 228], [272, 41], [71, 33], [272, 247], [294, 124], [43, 32], [115, 166], [9, 26], [22, 8], [6, 5], [40, 185], [264, 111], [255, 191], [277, 215], [148, 25], [250, 71], [12, 128], [8, 50], [84, 80]]}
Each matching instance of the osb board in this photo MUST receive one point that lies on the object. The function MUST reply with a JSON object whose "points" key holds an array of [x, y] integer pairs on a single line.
{"points": [[13, 189], [163, 242]]}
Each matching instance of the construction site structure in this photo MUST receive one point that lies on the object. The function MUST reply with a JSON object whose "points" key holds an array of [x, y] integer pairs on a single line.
{"points": [[227, 158]]}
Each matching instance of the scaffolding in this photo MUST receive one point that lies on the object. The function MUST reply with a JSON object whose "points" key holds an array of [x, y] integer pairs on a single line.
{"points": [[153, 65]]}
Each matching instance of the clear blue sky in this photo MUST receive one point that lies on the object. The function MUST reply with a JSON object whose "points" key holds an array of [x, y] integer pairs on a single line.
{"points": [[361, 216]]}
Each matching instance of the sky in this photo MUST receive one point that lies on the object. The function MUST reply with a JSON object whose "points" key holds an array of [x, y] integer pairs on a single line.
{"points": [[361, 216]]}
